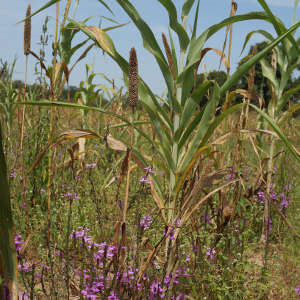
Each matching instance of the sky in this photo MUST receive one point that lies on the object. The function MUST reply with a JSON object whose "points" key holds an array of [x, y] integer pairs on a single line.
{"points": [[211, 12]]}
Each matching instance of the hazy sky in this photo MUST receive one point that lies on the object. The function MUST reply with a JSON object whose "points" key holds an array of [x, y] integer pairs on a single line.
{"points": [[211, 12]]}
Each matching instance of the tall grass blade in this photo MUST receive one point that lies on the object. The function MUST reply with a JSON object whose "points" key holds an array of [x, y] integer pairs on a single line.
{"points": [[45, 6], [186, 8], [183, 37], [275, 127], [149, 40], [253, 60], [279, 27]]}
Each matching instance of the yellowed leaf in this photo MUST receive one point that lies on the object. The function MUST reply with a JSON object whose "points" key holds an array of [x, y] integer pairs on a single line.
{"points": [[79, 133], [102, 38], [115, 144]]}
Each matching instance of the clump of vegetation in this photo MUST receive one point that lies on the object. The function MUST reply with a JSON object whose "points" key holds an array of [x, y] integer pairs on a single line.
{"points": [[116, 193]]}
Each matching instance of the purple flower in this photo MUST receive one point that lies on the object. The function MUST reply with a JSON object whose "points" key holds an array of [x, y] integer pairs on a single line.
{"points": [[23, 204], [81, 234], [195, 248], [231, 175], [180, 297], [268, 223], [297, 289], [23, 295], [145, 179], [288, 187], [88, 293], [273, 196], [91, 166], [171, 233], [177, 222], [68, 194], [146, 221], [105, 251], [45, 267], [75, 196], [205, 218], [285, 201], [25, 266], [261, 196], [155, 288], [18, 242], [58, 253], [148, 170], [210, 252], [13, 174], [113, 296]]}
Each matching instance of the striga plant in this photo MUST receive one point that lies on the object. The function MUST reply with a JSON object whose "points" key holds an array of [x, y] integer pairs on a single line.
{"points": [[284, 61], [183, 128], [183, 135]]}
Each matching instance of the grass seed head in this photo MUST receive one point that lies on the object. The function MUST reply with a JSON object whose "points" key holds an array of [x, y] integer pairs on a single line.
{"points": [[133, 78], [27, 31], [169, 54]]}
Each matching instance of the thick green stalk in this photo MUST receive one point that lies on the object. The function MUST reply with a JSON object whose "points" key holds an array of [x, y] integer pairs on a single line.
{"points": [[170, 245], [175, 144], [8, 256]]}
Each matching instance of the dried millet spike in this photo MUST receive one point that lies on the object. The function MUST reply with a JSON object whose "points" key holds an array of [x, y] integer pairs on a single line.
{"points": [[27, 31], [133, 78], [169, 54]]}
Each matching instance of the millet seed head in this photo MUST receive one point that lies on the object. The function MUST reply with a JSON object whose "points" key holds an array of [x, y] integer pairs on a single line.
{"points": [[133, 78], [27, 31]]}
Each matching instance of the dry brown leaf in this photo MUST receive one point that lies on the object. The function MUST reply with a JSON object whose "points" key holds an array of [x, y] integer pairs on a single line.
{"points": [[190, 210], [79, 133], [222, 139], [204, 181], [111, 181], [66, 71], [254, 131], [57, 69], [115, 144], [117, 233], [100, 36]]}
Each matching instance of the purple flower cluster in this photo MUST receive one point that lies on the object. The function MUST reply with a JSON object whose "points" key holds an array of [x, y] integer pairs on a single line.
{"points": [[205, 218], [157, 288], [210, 252], [146, 221], [91, 166], [297, 289], [12, 174], [81, 235], [285, 201], [18, 242], [25, 266], [105, 251], [260, 197], [146, 179], [93, 289], [71, 195], [268, 223]]}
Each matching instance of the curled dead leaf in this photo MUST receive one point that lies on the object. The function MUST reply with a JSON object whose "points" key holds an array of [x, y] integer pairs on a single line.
{"points": [[115, 144]]}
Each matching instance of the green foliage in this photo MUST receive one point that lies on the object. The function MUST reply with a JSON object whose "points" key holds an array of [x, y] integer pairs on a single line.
{"points": [[8, 93], [261, 85]]}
